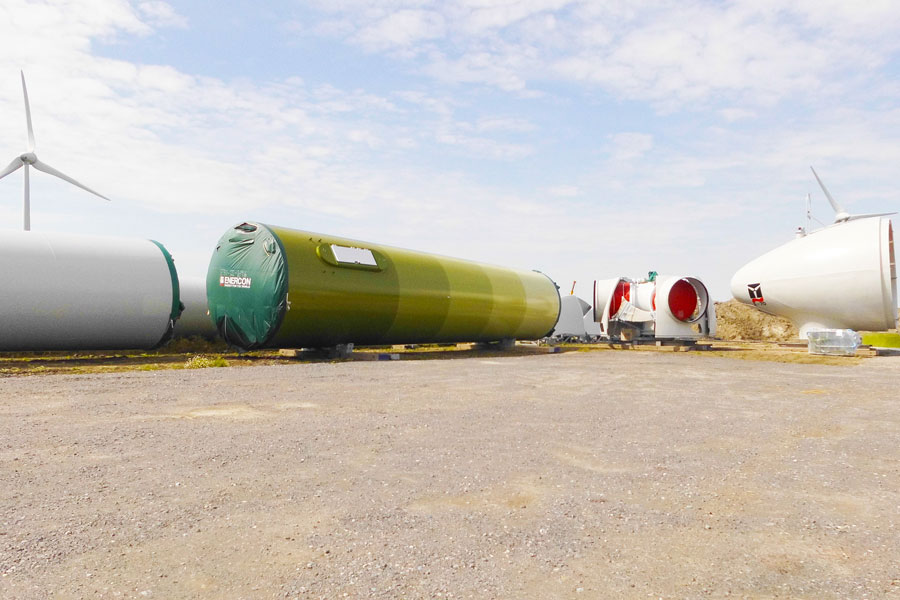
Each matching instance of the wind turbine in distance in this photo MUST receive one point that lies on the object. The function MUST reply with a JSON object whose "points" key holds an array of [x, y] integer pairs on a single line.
{"points": [[30, 159], [841, 215]]}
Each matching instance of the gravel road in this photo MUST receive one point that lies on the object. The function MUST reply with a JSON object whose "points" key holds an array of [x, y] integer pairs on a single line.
{"points": [[577, 475]]}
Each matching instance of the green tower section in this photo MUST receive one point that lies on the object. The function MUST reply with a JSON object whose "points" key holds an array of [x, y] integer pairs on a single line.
{"points": [[278, 287]]}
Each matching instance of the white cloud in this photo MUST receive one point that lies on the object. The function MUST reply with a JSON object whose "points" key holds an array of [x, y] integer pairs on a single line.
{"points": [[736, 114], [402, 29], [673, 55], [501, 70], [630, 145], [563, 191], [486, 17], [482, 146], [161, 14], [507, 124]]}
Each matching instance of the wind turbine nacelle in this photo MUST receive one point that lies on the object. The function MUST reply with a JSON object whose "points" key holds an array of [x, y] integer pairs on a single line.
{"points": [[667, 307], [841, 277]]}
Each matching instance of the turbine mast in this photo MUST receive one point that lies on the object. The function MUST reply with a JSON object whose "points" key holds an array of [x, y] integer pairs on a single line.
{"points": [[26, 211]]}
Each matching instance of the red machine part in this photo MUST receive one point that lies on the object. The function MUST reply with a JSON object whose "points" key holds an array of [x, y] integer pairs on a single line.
{"points": [[683, 300], [622, 291]]}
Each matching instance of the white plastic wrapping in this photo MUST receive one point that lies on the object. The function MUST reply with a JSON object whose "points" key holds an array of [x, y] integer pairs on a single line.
{"points": [[833, 342]]}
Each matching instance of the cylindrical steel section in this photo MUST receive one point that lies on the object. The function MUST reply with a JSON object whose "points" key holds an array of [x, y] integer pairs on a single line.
{"points": [[686, 298], [644, 295], [194, 319], [604, 290], [71, 292], [277, 287]]}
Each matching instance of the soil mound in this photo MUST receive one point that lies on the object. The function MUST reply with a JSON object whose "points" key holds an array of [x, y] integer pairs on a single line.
{"points": [[737, 321]]}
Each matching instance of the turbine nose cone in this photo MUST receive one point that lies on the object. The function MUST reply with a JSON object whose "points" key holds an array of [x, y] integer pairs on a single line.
{"points": [[741, 282], [29, 158]]}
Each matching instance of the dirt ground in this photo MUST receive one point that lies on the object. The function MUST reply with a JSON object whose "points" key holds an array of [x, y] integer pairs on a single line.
{"points": [[601, 474], [737, 321]]}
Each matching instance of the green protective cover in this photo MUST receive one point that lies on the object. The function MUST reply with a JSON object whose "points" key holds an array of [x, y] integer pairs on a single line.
{"points": [[246, 285], [300, 295], [177, 306]]}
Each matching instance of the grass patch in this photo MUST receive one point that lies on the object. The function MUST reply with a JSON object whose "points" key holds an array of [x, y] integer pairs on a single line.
{"points": [[199, 353], [201, 361]]}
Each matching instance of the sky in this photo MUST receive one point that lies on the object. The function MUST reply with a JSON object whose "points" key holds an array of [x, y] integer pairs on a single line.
{"points": [[587, 139]]}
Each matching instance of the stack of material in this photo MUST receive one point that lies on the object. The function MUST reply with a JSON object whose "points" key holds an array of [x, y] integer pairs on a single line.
{"points": [[737, 321]]}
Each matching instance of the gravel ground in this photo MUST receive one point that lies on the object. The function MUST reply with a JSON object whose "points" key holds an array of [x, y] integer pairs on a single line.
{"points": [[577, 475]]}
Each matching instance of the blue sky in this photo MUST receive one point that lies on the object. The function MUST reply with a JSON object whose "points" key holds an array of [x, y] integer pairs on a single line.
{"points": [[586, 139]]}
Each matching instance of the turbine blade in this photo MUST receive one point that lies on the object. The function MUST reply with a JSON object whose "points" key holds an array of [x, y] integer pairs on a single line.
{"points": [[40, 166], [868, 215], [837, 207], [15, 164], [27, 114]]}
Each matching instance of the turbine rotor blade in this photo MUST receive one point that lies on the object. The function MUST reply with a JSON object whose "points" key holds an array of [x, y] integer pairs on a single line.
{"points": [[27, 114], [15, 164], [867, 215], [40, 166], [837, 207]]}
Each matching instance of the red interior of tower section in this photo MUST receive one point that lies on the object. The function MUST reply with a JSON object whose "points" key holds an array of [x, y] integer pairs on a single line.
{"points": [[622, 291], [683, 300]]}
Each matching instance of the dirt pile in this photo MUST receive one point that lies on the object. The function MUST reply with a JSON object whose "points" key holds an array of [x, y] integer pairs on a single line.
{"points": [[737, 321]]}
